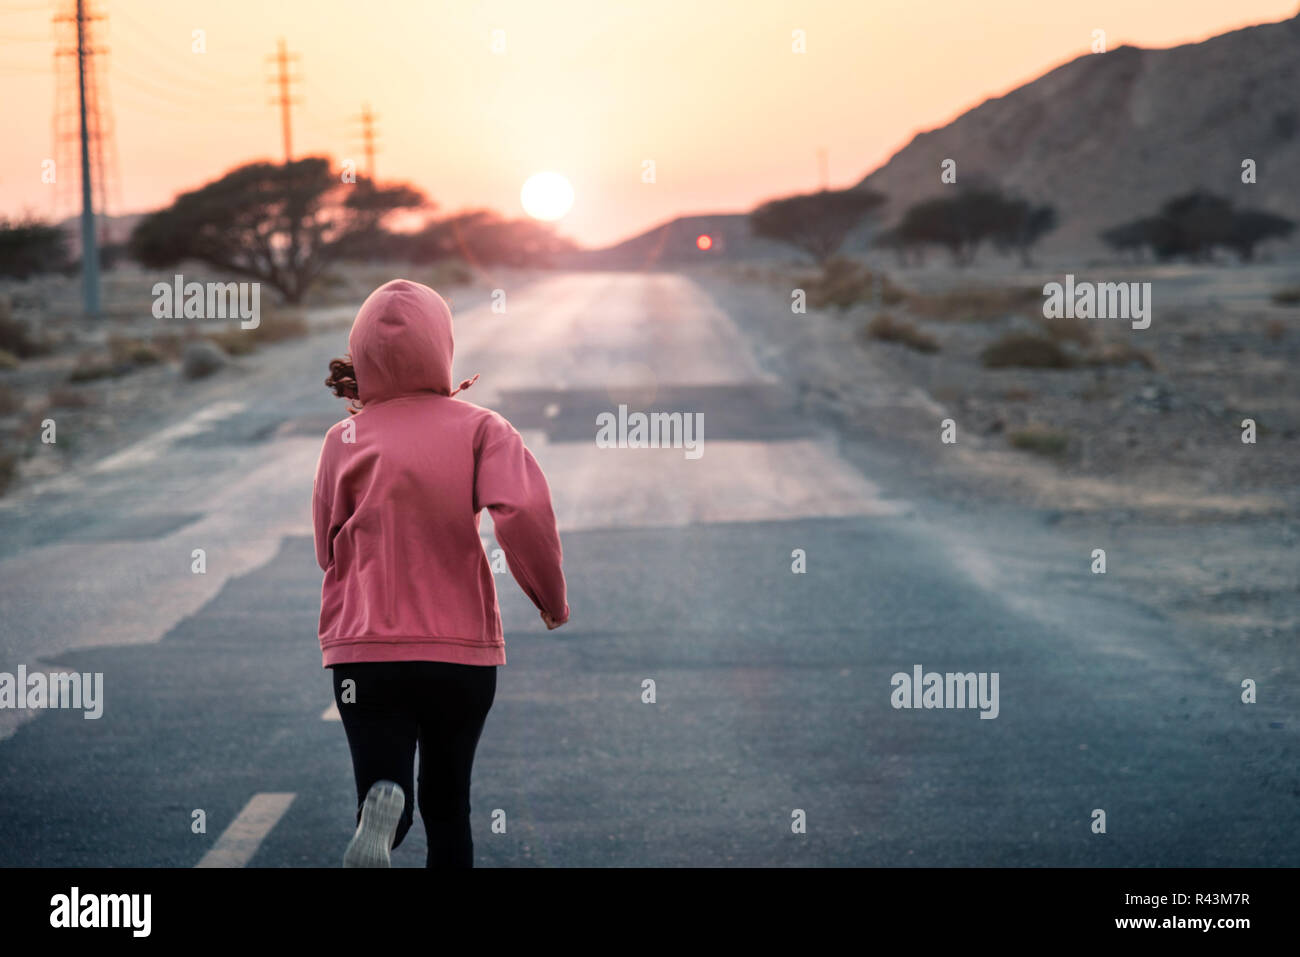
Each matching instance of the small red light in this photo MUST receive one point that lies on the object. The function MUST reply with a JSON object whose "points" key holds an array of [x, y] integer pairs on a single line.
{"points": [[704, 241]]}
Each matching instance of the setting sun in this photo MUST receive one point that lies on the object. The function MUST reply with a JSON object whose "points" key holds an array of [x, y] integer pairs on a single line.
{"points": [[546, 196]]}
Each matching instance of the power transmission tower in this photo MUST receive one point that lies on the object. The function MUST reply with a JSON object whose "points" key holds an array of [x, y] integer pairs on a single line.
{"points": [[92, 134], [283, 99], [367, 120]]}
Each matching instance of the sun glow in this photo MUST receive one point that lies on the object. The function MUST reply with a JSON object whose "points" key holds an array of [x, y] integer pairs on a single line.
{"points": [[546, 196]]}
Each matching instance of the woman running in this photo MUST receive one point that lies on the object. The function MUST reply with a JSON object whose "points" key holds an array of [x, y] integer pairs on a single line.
{"points": [[409, 622]]}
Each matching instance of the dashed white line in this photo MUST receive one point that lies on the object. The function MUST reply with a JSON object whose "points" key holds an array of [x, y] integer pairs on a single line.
{"points": [[240, 841]]}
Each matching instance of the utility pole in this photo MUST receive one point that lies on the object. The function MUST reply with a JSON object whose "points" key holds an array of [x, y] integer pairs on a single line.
{"points": [[89, 248], [367, 119], [281, 58], [87, 104]]}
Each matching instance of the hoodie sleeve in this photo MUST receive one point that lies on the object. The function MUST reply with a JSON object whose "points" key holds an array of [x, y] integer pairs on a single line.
{"points": [[510, 485], [322, 509]]}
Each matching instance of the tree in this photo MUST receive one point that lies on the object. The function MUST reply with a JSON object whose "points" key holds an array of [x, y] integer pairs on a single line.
{"points": [[369, 206], [817, 223], [1193, 224], [29, 247], [279, 224], [1024, 226], [961, 222], [1128, 237], [1250, 227], [930, 222], [484, 238]]}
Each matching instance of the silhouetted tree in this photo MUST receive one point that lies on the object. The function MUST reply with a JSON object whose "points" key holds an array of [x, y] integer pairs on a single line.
{"points": [[29, 247], [817, 223], [1128, 237], [1250, 227], [1024, 225], [279, 224], [1194, 224], [484, 238], [962, 221]]}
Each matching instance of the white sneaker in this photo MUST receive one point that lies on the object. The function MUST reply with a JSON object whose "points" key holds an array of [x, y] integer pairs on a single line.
{"points": [[380, 813]]}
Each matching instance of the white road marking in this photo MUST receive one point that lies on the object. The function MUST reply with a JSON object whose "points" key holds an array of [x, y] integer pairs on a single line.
{"points": [[240, 841], [87, 594], [331, 713], [149, 449]]}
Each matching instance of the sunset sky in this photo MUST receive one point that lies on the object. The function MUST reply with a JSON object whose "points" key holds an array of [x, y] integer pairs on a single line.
{"points": [[708, 89]]}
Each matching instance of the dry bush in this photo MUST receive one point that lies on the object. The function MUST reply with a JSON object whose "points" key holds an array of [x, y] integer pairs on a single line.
{"points": [[1040, 440], [1119, 354], [977, 303], [17, 337], [1027, 351], [8, 470], [272, 328], [1064, 329], [453, 272], [90, 368], [886, 328], [846, 283], [69, 399], [130, 351]]}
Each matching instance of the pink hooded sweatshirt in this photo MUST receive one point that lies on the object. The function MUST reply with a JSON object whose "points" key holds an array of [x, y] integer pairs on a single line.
{"points": [[398, 491]]}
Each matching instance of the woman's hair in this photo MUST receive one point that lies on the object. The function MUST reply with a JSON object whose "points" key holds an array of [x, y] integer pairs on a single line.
{"points": [[343, 380]]}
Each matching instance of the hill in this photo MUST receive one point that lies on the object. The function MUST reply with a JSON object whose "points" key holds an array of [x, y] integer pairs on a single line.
{"points": [[1108, 137]]}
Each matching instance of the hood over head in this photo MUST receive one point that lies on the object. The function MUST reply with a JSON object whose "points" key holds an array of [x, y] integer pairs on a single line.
{"points": [[401, 343]]}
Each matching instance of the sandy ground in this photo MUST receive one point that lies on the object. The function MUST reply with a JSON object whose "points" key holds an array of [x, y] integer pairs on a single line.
{"points": [[1202, 527]]}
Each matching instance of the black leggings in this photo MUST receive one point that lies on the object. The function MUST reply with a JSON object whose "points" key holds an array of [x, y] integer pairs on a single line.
{"points": [[442, 706]]}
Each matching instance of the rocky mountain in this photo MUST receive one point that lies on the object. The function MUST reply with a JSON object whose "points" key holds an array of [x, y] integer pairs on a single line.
{"points": [[1105, 138], [1110, 136]]}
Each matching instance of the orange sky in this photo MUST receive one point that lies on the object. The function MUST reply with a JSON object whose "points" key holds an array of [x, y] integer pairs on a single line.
{"points": [[708, 89]]}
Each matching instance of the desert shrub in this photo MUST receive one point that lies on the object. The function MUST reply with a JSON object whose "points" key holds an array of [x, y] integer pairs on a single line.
{"points": [[69, 399], [1119, 354], [886, 328], [846, 283], [130, 351], [272, 328], [1066, 329], [1040, 440], [88, 369], [451, 272], [977, 303], [1025, 350], [8, 470], [16, 336]]}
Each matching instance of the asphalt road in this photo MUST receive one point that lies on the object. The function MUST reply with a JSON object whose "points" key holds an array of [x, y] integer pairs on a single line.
{"points": [[772, 688]]}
